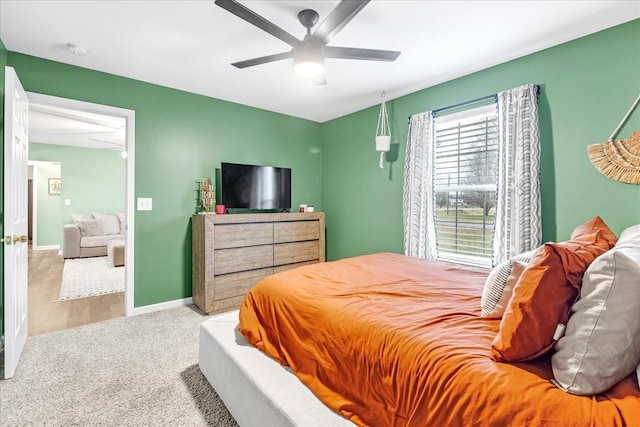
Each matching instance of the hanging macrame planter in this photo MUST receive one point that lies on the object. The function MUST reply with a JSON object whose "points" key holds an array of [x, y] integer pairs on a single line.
{"points": [[619, 160], [383, 132]]}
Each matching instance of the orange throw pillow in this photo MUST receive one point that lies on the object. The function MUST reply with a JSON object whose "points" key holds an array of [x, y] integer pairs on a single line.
{"points": [[546, 290]]}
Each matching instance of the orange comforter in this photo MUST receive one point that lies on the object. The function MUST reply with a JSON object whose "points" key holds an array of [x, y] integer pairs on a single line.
{"points": [[388, 340]]}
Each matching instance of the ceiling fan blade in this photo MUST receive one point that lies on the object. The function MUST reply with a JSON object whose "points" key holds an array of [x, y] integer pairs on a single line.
{"points": [[338, 18], [356, 53], [263, 60], [320, 80], [253, 18]]}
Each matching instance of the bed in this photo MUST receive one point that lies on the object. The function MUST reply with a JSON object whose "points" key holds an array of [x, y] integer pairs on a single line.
{"points": [[391, 340], [386, 340]]}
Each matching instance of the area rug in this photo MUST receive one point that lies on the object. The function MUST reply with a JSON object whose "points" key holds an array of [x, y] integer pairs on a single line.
{"points": [[88, 277]]}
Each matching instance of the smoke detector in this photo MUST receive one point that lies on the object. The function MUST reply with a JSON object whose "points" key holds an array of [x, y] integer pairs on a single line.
{"points": [[77, 50]]}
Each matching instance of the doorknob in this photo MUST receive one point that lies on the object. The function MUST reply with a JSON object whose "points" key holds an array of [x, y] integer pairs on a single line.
{"points": [[6, 240], [21, 239]]}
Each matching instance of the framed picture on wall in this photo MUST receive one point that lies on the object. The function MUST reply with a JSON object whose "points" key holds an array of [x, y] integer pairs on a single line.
{"points": [[55, 186]]}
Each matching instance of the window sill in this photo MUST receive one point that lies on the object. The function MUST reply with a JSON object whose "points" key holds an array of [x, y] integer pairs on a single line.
{"points": [[465, 259]]}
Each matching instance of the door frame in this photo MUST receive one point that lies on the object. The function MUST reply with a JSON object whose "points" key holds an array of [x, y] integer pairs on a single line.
{"points": [[129, 116], [34, 201]]}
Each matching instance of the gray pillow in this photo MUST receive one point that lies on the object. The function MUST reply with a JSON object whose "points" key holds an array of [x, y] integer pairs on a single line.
{"points": [[89, 228], [496, 281], [110, 223], [601, 345], [81, 217]]}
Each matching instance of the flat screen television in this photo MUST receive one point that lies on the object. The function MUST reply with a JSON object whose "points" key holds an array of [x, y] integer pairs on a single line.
{"points": [[255, 187]]}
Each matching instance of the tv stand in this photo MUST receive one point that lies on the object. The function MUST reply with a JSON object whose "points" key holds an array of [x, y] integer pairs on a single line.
{"points": [[231, 253]]}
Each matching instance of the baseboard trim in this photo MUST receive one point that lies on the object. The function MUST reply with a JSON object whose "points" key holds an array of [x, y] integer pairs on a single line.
{"points": [[162, 306], [45, 247]]}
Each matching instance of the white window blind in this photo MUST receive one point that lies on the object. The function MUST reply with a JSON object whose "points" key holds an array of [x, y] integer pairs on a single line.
{"points": [[465, 179]]}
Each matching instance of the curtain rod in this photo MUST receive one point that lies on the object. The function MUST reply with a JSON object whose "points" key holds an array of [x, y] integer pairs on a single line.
{"points": [[483, 98], [460, 104]]}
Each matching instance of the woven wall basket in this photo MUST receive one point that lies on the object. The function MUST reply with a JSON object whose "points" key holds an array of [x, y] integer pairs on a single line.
{"points": [[618, 160]]}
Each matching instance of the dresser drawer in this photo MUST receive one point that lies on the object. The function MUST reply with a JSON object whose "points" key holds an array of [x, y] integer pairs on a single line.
{"points": [[240, 235], [286, 267], [241, 259], [289, 253], [296, 231], [237, 284]]}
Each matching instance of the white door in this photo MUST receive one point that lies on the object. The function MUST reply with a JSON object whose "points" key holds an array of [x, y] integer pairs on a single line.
{"points": [[16, 144]]}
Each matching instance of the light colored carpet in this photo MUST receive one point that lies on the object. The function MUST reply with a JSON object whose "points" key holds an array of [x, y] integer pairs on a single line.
{"points": [[88, 277], [133, 371]]}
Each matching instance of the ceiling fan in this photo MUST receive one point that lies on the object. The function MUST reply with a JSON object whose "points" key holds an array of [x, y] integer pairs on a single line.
{"points": [[309, 53]]}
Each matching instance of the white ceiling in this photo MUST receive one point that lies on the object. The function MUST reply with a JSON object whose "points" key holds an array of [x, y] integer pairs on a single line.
{"points": [[63, 126], [189, 45]]}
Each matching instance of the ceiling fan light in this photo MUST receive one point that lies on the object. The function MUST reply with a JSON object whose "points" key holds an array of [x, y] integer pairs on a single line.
{"points": [[308, 59], [309, 69]]}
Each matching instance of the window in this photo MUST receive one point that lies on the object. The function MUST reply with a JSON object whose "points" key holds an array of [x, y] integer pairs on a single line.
{"points": [[453, 174], [465, 184]]}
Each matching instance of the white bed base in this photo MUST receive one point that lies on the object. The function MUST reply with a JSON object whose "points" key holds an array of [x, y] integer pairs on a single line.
{"points": [[256, 389]]}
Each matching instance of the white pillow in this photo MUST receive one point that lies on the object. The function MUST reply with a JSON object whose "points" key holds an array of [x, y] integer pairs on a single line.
{"points": [[496, 281], [601, 345], [109, 222], [81, 217], [91, 227], [123, 224], [630, 233]]}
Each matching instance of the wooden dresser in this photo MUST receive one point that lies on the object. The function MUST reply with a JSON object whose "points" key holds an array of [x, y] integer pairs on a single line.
{"points": [[231, 253]]}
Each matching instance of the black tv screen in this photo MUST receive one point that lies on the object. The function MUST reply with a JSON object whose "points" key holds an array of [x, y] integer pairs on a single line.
{"points": [[255, 187]]}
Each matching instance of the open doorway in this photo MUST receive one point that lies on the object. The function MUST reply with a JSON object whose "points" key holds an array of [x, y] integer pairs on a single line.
{"points": [[81, 253]]}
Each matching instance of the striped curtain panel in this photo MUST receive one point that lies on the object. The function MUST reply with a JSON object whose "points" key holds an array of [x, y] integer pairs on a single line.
{"points": [[418, 198], [518, 219]]}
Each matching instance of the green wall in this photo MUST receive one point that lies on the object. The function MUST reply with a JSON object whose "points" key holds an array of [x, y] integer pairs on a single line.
{"points": [[181, 137], [93, 180], [3, 63], [587, 85]]}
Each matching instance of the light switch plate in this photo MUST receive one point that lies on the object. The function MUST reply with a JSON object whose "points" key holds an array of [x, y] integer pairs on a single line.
{"points": [[67, 202], [145, 203]]}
